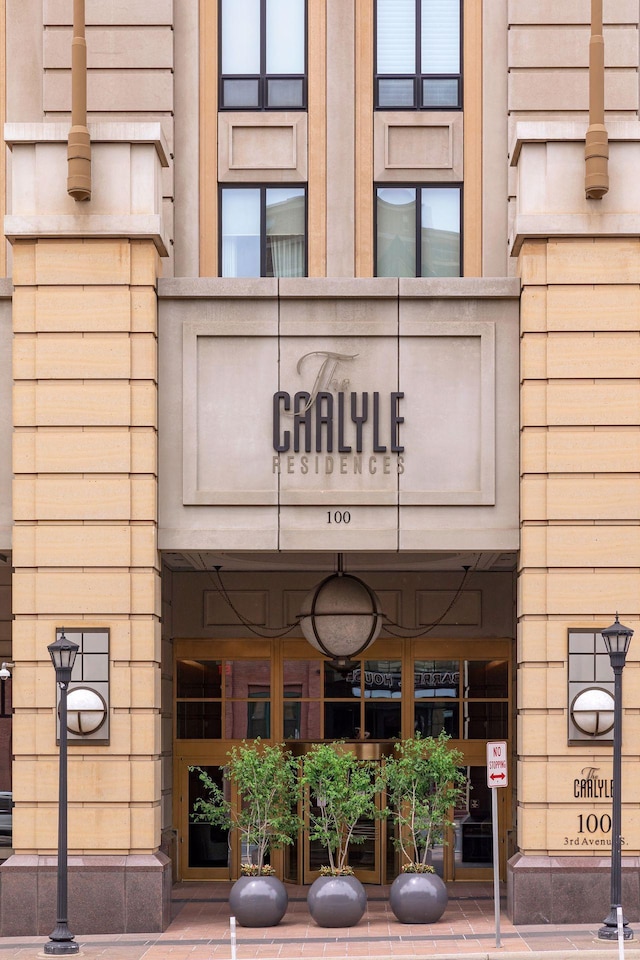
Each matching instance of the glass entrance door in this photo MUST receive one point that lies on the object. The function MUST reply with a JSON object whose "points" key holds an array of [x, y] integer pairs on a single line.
{"points": [[366, 856]]}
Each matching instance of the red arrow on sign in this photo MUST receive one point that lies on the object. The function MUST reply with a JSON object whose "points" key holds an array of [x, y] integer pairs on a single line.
{"points": [[497, 776]]}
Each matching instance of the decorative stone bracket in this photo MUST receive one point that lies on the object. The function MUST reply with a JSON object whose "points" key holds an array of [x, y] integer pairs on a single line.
{"points": [[126, 200]]}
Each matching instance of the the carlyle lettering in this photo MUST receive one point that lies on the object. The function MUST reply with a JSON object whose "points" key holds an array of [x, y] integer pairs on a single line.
{"points": [[590, 786], [336, 423]]}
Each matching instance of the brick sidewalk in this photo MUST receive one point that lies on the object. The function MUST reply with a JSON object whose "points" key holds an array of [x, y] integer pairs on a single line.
{"points": [[200, 931]]}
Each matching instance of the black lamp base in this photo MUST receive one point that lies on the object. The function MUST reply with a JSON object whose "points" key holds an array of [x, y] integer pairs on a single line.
{"points": [[611, 933], [61, 948]]}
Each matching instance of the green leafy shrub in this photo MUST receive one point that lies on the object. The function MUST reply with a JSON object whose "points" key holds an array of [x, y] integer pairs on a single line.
{"points": [[266, 778], [342, 789], [424, 781]]}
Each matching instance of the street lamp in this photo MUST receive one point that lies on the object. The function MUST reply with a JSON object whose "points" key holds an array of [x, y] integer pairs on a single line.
{"points": [[616, 638], [61, 942]]}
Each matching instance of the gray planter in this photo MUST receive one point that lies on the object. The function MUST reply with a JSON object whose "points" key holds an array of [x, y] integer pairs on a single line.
{"points": [[337, 901], [258, 901], [418, 897]]}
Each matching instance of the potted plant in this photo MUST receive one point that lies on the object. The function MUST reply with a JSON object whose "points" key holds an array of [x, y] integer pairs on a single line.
{"points": [[266, 778], [424, 782], [341, 790]]}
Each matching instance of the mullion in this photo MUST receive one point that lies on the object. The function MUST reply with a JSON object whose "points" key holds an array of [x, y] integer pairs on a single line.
{"points": [[417, 95], [263, 228], [263, 53], [418, 229]]}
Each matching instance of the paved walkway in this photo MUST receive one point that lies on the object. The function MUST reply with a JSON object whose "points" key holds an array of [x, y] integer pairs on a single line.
{"points": [[200, 931]]}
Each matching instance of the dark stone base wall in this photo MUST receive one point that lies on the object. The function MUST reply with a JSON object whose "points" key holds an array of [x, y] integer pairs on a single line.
{"points": [[129, 894], [568, 889]]}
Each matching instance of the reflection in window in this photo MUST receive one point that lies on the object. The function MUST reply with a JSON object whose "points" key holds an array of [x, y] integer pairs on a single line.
{"points": [[208, 846], [262, 54], [417, 54], [485, 721], [486, 678], [431, 719], [436, 678], [263, 232], [209, 709], [342, 721], [418, 231], [199, 678]]}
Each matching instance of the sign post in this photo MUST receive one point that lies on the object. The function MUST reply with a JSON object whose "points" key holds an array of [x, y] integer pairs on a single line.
{"points": [[497, 776]]}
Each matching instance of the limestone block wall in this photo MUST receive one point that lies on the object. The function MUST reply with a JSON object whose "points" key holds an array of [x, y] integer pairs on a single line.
{"points": [[580, 553], [549, 58], [85, 394], [130, 68]]}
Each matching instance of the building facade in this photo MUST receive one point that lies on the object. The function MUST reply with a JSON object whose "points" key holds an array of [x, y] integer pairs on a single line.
{"points": [[337, 301]]}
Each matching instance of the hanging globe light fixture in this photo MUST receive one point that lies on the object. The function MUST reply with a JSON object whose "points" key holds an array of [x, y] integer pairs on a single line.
{"points": [[341, 617]]}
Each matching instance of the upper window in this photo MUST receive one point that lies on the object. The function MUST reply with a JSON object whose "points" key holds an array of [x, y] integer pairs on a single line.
{"points": [[418, 55], [418, 231], [262, 55], [263, 232]]}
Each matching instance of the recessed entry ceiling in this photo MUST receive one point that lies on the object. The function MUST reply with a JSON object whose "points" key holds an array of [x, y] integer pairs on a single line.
{"points": [[192, 560]]}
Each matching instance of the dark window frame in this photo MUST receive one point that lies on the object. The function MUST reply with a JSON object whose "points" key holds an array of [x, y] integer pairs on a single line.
{"points": [[441, 184], [418, 77], [263, 187], [263, 77]]}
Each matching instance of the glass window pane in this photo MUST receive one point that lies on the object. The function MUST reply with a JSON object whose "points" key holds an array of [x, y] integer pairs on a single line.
{"points": [[241, 233], [199, 721], [485, 721], [396, 93], [247, 678], [301, 720], [440, 36], [430, 719], [383, 679], [240, 93], [285, 36], [396, 232], [440, 220], [285, 225], [382, 720], [340, 684], [604, 670], [247, 719], [486, 679], [208, 846], [95, 666], [436, 678], [582, 667], [396, 36], [582, 642], [95, 641], [285, 93], [440, 93], [341, 721], [240, 47], [472, 817], [302, 675], [199, 678]]}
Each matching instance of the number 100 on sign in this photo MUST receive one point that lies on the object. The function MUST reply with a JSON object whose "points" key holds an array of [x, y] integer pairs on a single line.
{"points": [[497, 769]]}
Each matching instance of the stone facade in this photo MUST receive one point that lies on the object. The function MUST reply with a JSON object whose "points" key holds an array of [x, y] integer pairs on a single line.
{"points": [[114, 505]]}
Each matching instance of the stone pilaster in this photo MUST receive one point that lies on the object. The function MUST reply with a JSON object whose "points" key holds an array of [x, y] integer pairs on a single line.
{"points": [[85, 522], [579, 262]]}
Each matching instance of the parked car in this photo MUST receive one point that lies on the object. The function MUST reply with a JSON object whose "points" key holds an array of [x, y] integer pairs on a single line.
{"points": [[6, 818]]}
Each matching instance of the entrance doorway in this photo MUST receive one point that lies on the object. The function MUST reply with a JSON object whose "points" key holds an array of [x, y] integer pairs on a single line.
{"points": [[227, 691]]}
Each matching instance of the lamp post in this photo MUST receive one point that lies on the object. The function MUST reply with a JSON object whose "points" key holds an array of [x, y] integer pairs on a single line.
{"points": [[61, 942], [616, 638]]}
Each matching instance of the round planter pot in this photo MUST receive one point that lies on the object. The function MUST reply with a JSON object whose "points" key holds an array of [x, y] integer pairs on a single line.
{"points": [[337, 901], [258, 901], [418, 897]]}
